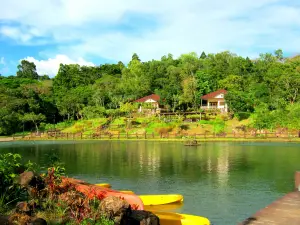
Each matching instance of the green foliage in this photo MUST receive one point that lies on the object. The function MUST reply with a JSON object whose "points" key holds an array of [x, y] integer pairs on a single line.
{"points": [[34, 118], [91, 112], [264, 118], [27, 70], [86, 92], [10, 167], [59, 126], [128, 108], [218, 125]]}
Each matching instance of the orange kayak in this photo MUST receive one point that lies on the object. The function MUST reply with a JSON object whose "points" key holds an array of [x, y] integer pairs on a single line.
{"points": [[92, 190]]}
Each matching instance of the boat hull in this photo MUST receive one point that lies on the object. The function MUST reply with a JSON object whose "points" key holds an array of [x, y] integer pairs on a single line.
{"points": [[92, 190]]}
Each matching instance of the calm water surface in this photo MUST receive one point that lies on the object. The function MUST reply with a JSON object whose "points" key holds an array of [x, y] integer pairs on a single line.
{"points": [[225, 182]]}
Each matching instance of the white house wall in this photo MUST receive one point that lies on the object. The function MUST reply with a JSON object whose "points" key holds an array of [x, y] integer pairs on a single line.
{"points": [[150, 100], [220, 96]]}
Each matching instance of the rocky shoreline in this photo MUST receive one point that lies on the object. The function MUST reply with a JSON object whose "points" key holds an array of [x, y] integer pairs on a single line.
{"points": [[46, 196]]}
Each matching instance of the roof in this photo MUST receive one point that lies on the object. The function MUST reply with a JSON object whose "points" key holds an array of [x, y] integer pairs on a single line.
{"points": [[153, 97], [214, 94]]}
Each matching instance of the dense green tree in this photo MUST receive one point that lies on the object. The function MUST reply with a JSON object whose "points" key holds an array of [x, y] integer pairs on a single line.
{"points": [[27, 70], [36, 119]]}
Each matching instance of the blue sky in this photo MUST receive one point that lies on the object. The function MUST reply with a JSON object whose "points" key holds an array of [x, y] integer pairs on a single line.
{"points": [[93, 32]]}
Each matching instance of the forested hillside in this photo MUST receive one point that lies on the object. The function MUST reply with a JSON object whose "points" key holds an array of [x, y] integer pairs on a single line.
{"points": [[267, 89]]}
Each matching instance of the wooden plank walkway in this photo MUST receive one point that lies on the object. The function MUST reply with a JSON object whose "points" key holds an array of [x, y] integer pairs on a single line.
{"points": [[284, 211]]}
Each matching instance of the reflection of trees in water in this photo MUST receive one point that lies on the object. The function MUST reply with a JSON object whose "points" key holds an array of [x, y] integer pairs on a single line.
{"points": [[138, 159]]}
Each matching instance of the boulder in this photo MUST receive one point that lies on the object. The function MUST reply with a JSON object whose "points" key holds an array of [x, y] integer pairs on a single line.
{"points": [[114, 208], [23, 208], [25, 178], [140, 217]]}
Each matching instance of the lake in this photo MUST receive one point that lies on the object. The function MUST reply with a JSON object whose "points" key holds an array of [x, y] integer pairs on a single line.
{"points": [[225, 182]]}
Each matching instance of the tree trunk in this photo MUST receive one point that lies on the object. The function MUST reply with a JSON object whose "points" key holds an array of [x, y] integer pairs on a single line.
{"points": [[37, 128]]}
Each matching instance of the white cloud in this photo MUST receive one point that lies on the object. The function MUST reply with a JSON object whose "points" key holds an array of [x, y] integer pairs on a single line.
{"points": [[2, 61], [51, 65], [181, 26]]}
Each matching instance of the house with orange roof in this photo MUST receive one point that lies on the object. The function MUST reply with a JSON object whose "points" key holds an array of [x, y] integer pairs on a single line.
{"points": [[215, 100], [150, 100]]}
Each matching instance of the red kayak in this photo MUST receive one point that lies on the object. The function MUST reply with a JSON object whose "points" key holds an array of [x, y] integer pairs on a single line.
{"points": [[92, 191]]}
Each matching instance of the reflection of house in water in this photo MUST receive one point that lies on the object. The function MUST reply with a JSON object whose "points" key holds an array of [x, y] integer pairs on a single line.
{"points": [[149, 160], [223, 166]]}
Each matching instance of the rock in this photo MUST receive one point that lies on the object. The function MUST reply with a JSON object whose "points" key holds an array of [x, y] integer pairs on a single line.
{"points": [[38, 221], [25, 178], [140, 217], [114, 208], [23, 207], [4, 220]]}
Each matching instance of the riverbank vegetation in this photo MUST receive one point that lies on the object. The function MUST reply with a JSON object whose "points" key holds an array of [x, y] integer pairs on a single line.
{"points": [[29, 198], [263, 93]]}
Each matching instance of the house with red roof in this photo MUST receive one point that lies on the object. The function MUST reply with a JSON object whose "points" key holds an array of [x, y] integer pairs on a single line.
{"points": [[152, 100], [215, 100]]}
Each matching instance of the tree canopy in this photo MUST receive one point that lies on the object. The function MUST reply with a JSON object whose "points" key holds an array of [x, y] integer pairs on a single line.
{"points": [[264, 88]]}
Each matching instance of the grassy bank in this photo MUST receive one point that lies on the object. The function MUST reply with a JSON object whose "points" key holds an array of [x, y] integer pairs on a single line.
{"points": [[175, 128], [202, 140]]}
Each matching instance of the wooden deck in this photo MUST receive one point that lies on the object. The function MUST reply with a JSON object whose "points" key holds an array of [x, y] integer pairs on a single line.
{"points": [[284, 211]]}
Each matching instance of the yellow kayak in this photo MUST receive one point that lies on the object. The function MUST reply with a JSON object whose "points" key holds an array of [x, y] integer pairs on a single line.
{"points": [[163, 208], [160, 199], [168, 218], [106, 185], [127, 191]]}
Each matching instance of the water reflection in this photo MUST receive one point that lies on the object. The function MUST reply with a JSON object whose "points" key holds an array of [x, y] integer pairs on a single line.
{"points": [[216, 179]]}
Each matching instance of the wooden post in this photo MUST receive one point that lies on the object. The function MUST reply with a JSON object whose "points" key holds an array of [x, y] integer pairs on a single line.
{"points": [[119, 135], [67, 136], [137, 136], [297, 180], [195, 136], [73, 136], [81, 135], [127, 134]]}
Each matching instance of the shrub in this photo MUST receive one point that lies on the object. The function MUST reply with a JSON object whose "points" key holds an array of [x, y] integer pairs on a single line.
{"points": [[10, 168], [164, 130], [218, 125]]}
